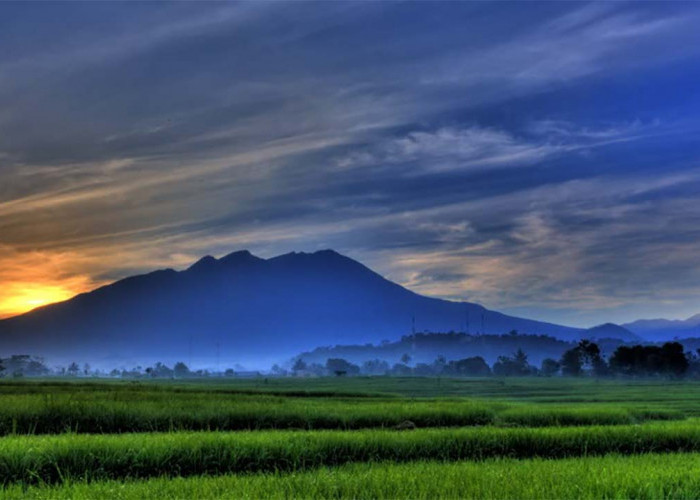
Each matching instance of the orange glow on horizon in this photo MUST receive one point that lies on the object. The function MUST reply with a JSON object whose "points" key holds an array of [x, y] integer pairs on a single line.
{"points": [[28, 296], [33, 279]]}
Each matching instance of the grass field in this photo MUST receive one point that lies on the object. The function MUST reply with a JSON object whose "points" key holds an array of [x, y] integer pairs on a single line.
{"points": [[649, 476], [337, 438]]}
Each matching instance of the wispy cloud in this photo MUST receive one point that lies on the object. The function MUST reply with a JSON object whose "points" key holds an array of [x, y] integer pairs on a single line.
{"points": [[463, 149], [449, 149]]}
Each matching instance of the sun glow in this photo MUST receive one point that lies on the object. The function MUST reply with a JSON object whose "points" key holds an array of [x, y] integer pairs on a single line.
{"points": [[26, 297], [36, 278]]}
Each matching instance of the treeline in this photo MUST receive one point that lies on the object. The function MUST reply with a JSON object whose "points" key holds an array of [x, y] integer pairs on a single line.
{"points": [[23, 365], [585, 359], [425, 347]]}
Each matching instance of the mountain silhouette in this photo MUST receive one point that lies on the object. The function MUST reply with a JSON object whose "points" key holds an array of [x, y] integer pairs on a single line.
{"points": [[244, 309], [611, 331], [659, 330]]}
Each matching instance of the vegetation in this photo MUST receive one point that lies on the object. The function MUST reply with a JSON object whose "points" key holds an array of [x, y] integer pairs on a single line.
{"points": [[668, 360], [648, 476], [586, 358], [81, 408], [84, 438], [583, 359], [50, 459]]}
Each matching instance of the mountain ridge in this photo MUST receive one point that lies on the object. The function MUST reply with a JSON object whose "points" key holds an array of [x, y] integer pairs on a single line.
{"points": [[244, 307], [660, 329]]}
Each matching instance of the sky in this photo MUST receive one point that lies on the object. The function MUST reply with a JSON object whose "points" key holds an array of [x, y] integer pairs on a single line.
{"points": [[541, 159]]}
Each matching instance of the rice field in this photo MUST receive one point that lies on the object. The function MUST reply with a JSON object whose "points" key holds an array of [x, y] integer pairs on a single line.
{"points": [[648, 476], [321, 438]]}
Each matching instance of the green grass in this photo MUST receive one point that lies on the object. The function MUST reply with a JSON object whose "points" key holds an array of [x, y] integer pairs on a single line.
{"points": [[651, 476], [150, 411], [483, 438], [33, 408], [50, 459]]}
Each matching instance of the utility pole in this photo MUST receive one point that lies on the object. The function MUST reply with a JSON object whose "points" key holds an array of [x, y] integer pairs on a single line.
{"points": [[466, 308], [189, 361], [218, 353]]}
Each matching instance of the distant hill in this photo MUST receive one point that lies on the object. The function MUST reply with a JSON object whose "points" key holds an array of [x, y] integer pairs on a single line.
{"points": [[611, 331], [657, 330], [426, 347], [244, 309]]}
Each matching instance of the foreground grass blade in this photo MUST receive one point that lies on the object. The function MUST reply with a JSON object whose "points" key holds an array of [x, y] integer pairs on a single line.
{"points": [[51, 459], [651, 476]]}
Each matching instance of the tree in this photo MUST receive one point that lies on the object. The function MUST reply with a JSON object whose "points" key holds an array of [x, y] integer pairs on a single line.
{"points": [[181, 370], [571, 364], [2, 368], [86, 369], [406, 359], [19, 365], [639, 360], [401, 370], [159, 370], [585, 357], [468, 367], [520, 359], [439, 364], [515, 366], [375, 367], [36, 368], [73, 369], [675, 361], [278, 370], [590, 354], [340, 366], [550, 367], [299, 365]]}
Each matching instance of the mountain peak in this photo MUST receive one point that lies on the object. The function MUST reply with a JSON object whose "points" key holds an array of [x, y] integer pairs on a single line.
{"points": [[694, 319], [317, 255], [612, 330], [206, 262], [328, 252], [239, 256], [264, 308]]}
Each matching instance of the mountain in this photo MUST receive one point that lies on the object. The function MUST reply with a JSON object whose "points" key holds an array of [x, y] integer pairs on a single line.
{"points": [[658, 330], [243, 309], [611, 331]]}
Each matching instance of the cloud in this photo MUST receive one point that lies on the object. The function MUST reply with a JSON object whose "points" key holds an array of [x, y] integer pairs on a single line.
{"points": [[589, 249], [484, 148], [450, 148], [32, 279], [577, 44], [465, 152]]}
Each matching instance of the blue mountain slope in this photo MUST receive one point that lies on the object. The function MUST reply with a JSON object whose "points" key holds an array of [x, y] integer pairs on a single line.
{"points": [[611, 331], [244, 309], [665, 329]]}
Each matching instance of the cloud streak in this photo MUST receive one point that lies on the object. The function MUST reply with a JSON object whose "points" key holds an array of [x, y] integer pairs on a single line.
{"points": [[503, 153]]}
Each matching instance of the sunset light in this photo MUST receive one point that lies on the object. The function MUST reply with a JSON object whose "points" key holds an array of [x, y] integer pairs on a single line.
{"points": [[350, 249], [28, 296]]}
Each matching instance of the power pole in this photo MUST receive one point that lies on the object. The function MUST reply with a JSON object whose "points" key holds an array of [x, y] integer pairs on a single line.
{"points": [[190, 353], [218, 353]]}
